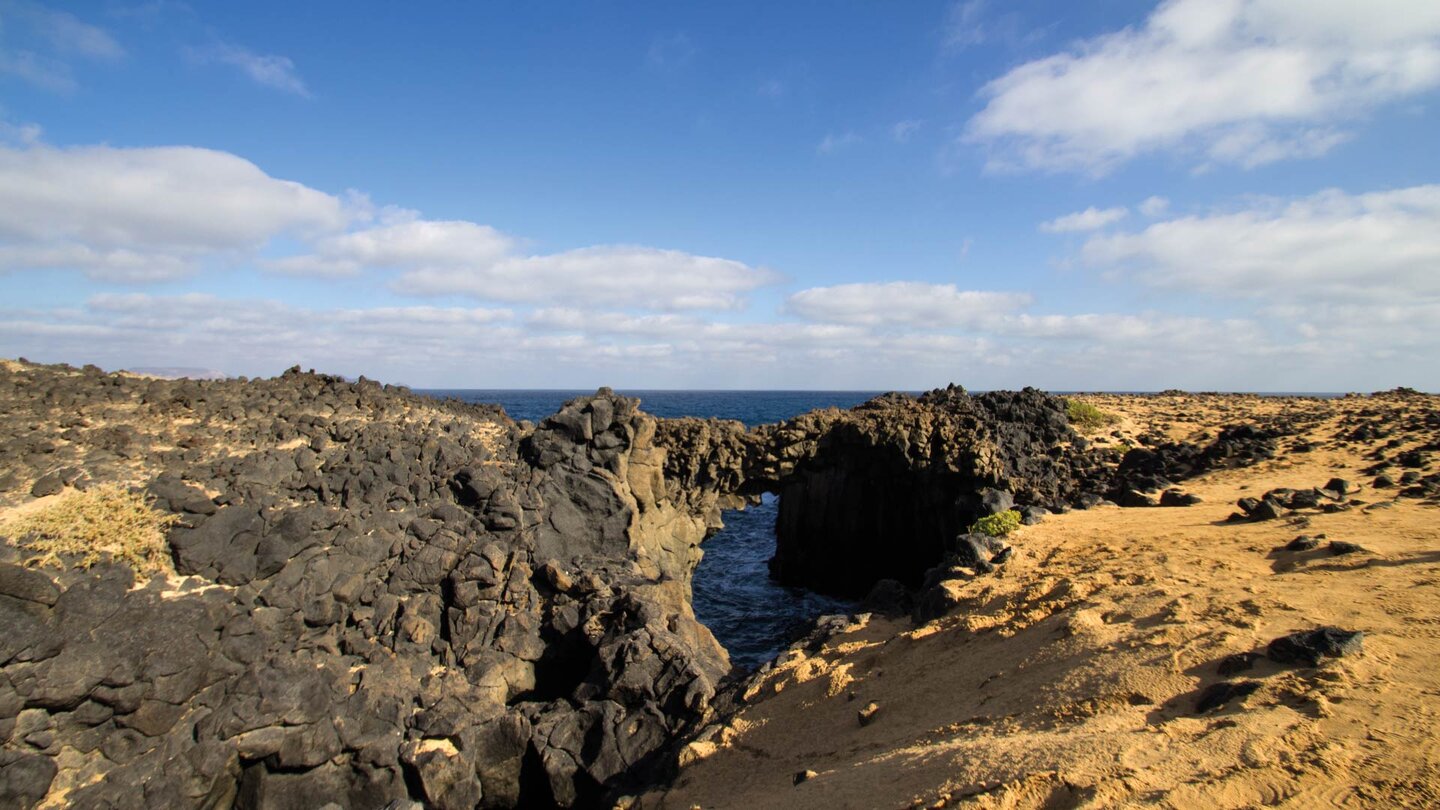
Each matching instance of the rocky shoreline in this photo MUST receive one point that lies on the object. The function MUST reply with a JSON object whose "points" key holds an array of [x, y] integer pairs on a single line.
{"points": [[379, 598]]}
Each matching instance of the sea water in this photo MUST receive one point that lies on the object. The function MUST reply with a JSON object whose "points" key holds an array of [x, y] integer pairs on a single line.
{"points": [[752, 617]]}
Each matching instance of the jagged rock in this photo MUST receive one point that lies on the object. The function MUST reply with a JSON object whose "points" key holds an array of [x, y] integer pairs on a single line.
{"points": [[31, 586], [24, 779], [1340, 487], [1266, 510], [1311, 647], [46, 485], [381, 580], [888, 596], [1032, 515], [1135, 498], [1174, 497], [994, 501], [1339, 547], [1217, 695]]}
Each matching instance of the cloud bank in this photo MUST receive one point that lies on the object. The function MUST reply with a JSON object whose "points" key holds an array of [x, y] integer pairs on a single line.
{"points": [[1239, 82]]}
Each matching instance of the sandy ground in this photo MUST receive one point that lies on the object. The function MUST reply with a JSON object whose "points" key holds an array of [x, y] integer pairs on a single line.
{"points": [[1070, 678]]}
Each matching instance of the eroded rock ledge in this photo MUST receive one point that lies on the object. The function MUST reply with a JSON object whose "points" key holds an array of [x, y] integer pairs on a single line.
{"points": [[382, 598]]}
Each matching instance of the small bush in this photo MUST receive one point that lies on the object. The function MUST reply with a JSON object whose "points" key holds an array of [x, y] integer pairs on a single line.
{"points": [[106, 521], [998, 524], [1087, 417]]}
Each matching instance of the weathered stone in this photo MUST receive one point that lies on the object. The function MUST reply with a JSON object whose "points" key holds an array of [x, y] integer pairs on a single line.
{"points": [[31, 586], [1311, 647]]}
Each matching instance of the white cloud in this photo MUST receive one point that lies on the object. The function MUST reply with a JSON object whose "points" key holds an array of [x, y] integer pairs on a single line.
{"points": [[68, 34], [613, 323], [412, 245], [44, 72], [1154, 206], [52, 39], [144, 214], [1147, 330], [1228, 81], [833, 143], [964, 24], [772, 88], [901, 131], [1090, 219], [1330, 245], [908, 303], [273, 71], [605, 275]]}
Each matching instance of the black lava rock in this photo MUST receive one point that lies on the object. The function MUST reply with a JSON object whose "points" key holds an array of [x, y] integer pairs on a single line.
{"points": [[1218, 694], [1310, 647]]}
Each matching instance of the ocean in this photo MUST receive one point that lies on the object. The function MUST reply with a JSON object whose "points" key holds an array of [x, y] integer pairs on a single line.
{"points": [[754, 618]]}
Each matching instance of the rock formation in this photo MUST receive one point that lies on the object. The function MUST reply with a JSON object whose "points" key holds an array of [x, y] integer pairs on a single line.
{"points": [[378, 597]]}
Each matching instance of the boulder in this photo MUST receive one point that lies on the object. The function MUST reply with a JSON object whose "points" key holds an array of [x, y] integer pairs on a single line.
{"points": [[1312, 647]]}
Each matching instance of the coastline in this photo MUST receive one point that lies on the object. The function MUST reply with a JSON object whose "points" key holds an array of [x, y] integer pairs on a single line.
{"points": [[524, 591]]}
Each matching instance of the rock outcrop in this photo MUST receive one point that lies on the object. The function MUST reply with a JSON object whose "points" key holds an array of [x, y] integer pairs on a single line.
{"points": [[379, 598]]}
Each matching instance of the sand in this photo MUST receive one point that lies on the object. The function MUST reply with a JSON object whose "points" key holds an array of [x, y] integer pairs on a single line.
{"points": [[1070, 678]]}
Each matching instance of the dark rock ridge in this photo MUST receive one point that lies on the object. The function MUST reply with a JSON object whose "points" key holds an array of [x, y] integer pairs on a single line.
{"points": [[882, 491], [388, 599], [385, 598]]}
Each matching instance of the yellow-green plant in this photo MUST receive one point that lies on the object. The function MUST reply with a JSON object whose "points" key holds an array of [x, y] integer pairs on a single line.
{"points": [[998, 524], [1087, 417], [104, 522]]}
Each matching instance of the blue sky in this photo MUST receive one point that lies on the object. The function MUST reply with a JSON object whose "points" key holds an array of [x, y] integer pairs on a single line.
{"points": [[1206, 194]]}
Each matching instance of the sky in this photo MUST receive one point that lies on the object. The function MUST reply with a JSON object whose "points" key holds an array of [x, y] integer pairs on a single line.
{"points": [[1096, 195]]}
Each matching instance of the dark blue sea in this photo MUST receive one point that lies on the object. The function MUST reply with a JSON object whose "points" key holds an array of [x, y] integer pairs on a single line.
{"points": [[753, 617]]}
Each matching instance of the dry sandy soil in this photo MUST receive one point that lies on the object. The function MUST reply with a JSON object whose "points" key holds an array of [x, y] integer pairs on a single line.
{"points": [[1071, 677]]}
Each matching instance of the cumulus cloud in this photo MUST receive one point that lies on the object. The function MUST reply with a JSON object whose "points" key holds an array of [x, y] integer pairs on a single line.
{"points": [[1241, 82], [144, 214], [153, 214], [1154, 206], [911, 303], [605, 275], [270, 70], [1332, 244], [417, 244], [1090, 219]]}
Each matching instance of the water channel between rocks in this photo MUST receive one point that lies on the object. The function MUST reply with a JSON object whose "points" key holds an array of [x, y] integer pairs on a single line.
{"points": [[751, 616]]}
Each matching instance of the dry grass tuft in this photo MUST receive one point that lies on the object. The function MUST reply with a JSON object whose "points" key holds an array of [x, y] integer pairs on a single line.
{"points": [[105, 521]]}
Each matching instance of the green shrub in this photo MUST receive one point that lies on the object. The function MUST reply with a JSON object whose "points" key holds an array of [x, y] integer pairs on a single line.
{"points": [[1087, 417], [106, 521], [998, 524]]}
